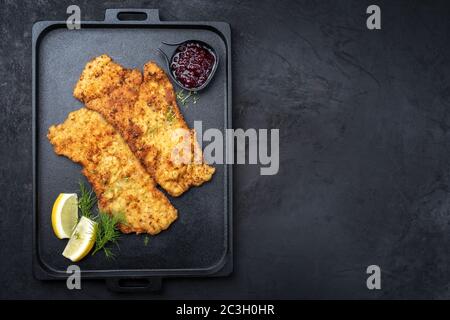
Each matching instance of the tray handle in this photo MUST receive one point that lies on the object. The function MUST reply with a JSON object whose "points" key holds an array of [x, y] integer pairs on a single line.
{"points": [[134, 15], [134, 284]]}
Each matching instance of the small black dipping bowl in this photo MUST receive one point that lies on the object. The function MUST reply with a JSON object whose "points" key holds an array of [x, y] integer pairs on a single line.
{"points": [[192, 63]]}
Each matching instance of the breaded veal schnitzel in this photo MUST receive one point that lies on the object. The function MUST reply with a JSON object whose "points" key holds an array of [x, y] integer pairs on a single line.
{"points": [[117, 177], [144, 111]]}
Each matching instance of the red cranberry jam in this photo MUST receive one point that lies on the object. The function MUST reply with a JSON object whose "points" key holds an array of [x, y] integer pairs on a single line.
{"points": [[192, 64]]}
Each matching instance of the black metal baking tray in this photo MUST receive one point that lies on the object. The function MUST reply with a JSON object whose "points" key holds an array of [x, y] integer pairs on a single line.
{"points": [[199, 243]]}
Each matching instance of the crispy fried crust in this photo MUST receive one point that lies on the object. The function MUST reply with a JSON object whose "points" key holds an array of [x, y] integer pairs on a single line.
{"points": [[117, 177], [145, 112]]}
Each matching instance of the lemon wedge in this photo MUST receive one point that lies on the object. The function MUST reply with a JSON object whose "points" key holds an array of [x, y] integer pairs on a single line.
{"points": [[81, 241], [65, 215]]}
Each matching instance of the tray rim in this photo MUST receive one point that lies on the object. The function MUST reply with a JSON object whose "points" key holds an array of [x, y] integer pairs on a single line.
{"points": [[224, 265]]}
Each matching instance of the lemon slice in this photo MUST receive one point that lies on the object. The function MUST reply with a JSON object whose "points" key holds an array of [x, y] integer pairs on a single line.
{"points": [[65, 214], [81, 241]]}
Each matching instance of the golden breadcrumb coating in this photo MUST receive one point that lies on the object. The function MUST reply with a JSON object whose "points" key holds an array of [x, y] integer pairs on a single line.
{"points": [[117, 177], [145, 112]]}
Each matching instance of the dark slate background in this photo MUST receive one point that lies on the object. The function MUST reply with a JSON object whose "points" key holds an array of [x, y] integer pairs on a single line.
{"points": [[364, 124]]}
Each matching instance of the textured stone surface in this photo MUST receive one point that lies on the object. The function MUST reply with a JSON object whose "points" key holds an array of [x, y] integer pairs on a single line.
{"points": [[364, 126]]}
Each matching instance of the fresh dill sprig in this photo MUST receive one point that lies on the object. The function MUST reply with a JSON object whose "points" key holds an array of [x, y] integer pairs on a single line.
{"points": [[195, 99], [170, 114], [107, 232], [86, 201], [146, 240], [185, 98], [181, 96]]}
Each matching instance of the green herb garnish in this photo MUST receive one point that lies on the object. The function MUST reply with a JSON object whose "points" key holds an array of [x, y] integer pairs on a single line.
{"points": [[184, 97], [107, 232], [86, 201], [146, 240], [170, 114]]}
